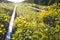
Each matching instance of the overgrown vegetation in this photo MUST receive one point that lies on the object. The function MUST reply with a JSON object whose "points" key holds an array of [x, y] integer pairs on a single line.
{"points": [[43, 2], [5, 14], [30, 24]]}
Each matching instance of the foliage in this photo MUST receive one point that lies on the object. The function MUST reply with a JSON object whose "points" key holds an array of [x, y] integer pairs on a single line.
{"points": [[43, 2], [5, 13], [30, 24]]}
